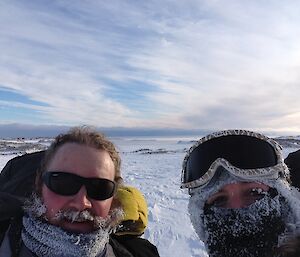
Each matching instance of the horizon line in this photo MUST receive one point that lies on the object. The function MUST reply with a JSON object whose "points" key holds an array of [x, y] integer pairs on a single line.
{"points": [[17, 130]]}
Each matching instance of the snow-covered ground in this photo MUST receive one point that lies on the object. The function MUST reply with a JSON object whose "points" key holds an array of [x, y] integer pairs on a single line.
{"points": [[154, 167]]}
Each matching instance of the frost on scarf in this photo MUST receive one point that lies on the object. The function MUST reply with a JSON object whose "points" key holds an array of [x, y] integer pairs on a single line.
{"points": [[45, 239]]}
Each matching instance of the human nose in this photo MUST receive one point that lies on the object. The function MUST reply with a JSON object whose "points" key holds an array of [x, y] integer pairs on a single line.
{"points": [[80, 201]]}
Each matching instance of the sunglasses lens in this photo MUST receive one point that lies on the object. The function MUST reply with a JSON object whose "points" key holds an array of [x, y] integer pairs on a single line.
{"points": [[62, 183], [242, 151], [67, 184], [100, 189]]}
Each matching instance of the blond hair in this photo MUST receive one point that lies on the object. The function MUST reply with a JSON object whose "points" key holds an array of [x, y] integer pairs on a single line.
{"points": [[84, 136]]}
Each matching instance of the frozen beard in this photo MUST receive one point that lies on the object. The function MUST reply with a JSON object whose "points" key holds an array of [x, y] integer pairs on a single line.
{"points": [[45, 239], [246, 232]]}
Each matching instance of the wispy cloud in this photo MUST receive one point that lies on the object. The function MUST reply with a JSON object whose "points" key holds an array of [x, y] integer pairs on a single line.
{"points": [[180, 64]]}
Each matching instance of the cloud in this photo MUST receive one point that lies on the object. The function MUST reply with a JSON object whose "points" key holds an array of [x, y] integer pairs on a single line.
{"points": [[180, 64]]}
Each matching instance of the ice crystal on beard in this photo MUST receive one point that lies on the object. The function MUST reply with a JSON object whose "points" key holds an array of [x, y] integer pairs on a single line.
{"points": [[74, 216], [113, 217], [34, 206]]}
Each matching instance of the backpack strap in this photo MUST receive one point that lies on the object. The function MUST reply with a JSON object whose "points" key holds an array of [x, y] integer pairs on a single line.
{"points": [[10, 212], [14, 235], [4, 224]]}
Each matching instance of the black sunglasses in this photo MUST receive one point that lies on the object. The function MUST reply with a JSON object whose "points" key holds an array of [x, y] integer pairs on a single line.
{"points": [[244, 152], [64, 183]]}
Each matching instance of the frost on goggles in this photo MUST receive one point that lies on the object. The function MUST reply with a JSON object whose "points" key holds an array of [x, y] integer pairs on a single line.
{"points": [[243, 153]]}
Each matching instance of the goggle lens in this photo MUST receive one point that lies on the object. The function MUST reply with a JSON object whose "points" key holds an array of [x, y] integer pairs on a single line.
{"points": [[244, 152], [67, 184]]}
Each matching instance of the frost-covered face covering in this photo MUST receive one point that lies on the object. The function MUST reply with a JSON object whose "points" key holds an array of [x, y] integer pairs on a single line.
{"points": [[236, 156], [247, 232], [44, 239], [280, 208]]}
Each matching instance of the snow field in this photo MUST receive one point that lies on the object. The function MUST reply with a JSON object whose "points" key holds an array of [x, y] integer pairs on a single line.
{"points": [[154, 167]]}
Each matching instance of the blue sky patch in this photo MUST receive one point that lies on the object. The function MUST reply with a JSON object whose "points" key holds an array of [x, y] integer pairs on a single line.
{"points": [[131, 93], [9, 95]]}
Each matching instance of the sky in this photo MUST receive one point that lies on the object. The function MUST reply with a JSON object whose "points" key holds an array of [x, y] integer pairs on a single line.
{"points": [[160, 64]]}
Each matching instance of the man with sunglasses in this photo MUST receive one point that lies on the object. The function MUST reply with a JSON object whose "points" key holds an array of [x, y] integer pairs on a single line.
{"points": [[240, 201], [73, 211]]}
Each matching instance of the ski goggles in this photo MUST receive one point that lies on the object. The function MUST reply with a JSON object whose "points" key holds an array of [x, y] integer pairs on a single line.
{"points": [[67, 184], [244, 154]]}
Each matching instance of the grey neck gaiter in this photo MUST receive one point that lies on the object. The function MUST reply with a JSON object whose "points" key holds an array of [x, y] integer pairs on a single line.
{"points": [[246, 232], [44, 239]]}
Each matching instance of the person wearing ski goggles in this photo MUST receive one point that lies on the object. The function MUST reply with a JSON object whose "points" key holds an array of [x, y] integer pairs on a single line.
{"points": [[74, 210], [241, 203]]}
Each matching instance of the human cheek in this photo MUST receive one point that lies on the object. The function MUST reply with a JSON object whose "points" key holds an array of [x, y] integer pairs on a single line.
{"points": [[220, 201], [53, 202], [101, 208]]}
